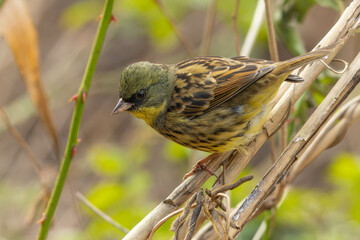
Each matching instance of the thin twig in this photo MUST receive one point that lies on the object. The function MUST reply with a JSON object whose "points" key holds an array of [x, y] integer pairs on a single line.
{"points": [[236, 30], [273, 149], [25, 147], [185, 213], [227, 204], [209, 25], [231, 186], [217, 222], [283, 133], [162, 221], [274, 54], [209, 216], [185, 42], [195, 215], [100, 213]]}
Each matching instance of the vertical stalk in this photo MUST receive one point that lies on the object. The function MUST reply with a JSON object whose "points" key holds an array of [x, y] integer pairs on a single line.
{"points": [[75, 123]]}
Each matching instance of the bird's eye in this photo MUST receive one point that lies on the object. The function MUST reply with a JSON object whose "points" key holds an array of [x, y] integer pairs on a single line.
{"points": [[140, 95]]}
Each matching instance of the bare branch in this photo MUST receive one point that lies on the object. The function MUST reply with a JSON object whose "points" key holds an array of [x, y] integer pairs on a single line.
{"points": [[274, 54], [236, 31], [100, 213], [208, 28], [185, 42]]}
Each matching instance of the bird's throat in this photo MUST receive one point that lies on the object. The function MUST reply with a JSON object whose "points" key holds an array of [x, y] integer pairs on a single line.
{"points": [[149, 114]]}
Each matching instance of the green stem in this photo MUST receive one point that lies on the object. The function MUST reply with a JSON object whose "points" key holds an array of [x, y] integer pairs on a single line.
{"points": [[75, 123]]}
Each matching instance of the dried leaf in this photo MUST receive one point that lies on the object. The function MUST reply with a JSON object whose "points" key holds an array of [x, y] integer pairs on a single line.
{"points": [[18, 29]]}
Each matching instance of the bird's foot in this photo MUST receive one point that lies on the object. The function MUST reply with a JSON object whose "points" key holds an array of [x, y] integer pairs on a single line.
{"points": [[201, 165]]}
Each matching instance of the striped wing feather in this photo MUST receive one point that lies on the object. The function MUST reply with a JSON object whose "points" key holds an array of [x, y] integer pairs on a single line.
{"points": [[205, 82]]}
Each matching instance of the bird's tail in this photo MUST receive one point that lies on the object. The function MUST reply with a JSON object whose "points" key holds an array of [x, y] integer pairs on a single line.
{"points": [[299, 61]]}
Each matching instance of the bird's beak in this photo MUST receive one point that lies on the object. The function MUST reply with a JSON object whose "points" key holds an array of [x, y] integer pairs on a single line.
{"points": [[121, 106]]}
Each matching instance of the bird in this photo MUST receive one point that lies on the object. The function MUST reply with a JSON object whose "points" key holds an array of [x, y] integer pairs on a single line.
{"points": [[212, 104]]}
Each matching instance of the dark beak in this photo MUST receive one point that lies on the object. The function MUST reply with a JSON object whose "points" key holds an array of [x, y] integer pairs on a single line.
{"points": [[121, 106]]}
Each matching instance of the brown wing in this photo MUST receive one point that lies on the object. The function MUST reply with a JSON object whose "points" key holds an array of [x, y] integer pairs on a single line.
{"points": [[204, 83], [291, 78]]}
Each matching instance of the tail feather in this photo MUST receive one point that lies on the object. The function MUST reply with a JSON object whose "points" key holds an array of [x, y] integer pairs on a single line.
{"points": [[299, 61]]}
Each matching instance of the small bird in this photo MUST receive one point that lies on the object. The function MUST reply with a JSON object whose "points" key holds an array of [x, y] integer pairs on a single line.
{"points": [[212, 104]]}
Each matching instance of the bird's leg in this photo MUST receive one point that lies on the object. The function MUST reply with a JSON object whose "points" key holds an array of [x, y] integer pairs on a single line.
{"points": [[201, 165]]}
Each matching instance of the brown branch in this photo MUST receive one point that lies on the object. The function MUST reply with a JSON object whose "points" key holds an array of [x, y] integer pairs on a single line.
{"points": [[43, 197], [274, 54], [236, 31], [208, 28], [160, 223], [184, 41], [25, 147]]}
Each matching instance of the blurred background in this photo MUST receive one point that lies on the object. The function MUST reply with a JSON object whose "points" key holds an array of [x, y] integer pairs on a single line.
{"points": [[123, 166]]}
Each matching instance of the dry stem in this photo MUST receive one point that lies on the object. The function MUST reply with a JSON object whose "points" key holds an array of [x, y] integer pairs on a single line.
{"points": [[208, 28], [100, 213], [184, 41], [236, 31]]}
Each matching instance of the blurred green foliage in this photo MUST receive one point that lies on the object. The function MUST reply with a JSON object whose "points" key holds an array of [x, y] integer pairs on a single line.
{"points": [[122, 190], [175, 152], [15, 202], [144, 18], [290, 13], [333, 213]]}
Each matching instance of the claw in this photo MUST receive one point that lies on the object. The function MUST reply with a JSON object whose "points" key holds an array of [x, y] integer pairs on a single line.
{"points": [[201, 165]]}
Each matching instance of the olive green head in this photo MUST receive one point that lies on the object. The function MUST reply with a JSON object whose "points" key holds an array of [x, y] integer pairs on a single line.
{"points": [[144, 89]]}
